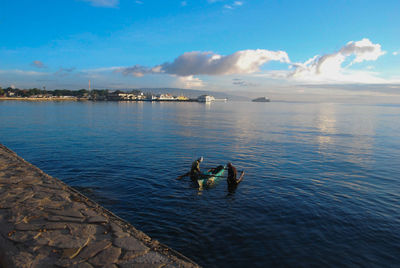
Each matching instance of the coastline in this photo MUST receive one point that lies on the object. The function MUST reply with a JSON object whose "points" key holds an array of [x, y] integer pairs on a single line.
{"points": [[84, 99], [44, 222], [41, 99]]}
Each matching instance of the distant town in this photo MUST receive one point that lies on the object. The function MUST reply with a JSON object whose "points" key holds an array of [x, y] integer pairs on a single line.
{"points": [[96, 95]]}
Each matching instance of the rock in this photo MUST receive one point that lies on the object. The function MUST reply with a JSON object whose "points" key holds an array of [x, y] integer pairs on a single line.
{"points": [[107, 256], [110, 266], [97, 219], [82, 265], [89, 212], [129, 255], [62, 239], [130, 243], [115, 228], [141, 265], [151, 258], [70, 252], [121, 235], [23, 259], [64, 218], [68, 213], [93, 248], [20, 236], [27, 227], [55, 226]]}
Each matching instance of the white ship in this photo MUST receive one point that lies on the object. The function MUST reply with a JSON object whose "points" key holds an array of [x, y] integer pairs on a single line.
{"points": [[261, 99], [205, 98]]}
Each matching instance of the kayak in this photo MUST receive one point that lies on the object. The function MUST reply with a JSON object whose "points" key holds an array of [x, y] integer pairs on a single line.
{"points": [[212, 176]]}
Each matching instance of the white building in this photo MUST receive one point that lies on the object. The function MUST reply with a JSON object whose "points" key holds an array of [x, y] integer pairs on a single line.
{"points": [[117, 96], [205, 98], [166, 97]]}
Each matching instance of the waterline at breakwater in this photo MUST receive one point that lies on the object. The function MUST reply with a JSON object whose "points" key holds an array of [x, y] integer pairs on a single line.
{"points": [[44, 222]]}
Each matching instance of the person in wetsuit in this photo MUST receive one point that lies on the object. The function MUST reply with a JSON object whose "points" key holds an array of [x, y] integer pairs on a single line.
{"points": [[195, 170], [232, 175]]}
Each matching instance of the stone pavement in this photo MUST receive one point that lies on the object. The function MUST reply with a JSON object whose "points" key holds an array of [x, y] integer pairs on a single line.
{"points": [[45, 223]]}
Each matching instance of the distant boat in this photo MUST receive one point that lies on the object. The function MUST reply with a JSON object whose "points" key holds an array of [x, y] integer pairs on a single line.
{"points": [[205, 98], [261, 99]]}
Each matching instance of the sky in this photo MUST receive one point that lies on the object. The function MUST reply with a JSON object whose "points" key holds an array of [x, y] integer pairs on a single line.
{"points": [[286, 49]]}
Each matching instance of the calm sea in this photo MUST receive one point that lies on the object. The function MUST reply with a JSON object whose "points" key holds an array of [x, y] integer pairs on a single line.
{"points": [[322, 183]]}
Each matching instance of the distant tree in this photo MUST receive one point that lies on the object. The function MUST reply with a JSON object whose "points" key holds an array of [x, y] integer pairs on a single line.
{"points": [[82, 92], [99, 92], [2, 92]]}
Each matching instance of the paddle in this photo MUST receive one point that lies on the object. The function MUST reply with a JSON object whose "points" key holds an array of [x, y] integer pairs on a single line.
{"points": [[188, 173], [184, 175], [204, 175]]}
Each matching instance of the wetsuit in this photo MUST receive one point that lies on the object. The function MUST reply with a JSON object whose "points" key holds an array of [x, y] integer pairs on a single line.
{"points": [[232, 174], [195, 170]]}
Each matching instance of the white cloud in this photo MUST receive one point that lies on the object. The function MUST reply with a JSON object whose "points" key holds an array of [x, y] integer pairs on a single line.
{"points": [[395, 53], [22, 72], [328, 68], [104, 3], [38, 64], [64, 71], [233, 5], [138, 70], [189, 82], [103, 69], [243, 83], [208, 63]]}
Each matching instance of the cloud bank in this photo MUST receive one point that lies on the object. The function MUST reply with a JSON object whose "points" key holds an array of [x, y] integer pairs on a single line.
{"points": [[329, 67], [208, 63]]}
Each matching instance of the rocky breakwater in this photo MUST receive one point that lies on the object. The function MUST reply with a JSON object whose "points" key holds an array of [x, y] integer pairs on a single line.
{"points": [[44, 222]]}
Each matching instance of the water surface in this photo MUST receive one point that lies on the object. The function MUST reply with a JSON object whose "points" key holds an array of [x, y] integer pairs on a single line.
{"points": [[321, 185]]}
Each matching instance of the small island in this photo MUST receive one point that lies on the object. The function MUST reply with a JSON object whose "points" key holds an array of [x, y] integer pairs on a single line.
{"points": [[261, 99]]}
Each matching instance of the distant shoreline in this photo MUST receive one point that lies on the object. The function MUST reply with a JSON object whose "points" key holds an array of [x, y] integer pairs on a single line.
{"points": [[42, 99], [84, 99]]}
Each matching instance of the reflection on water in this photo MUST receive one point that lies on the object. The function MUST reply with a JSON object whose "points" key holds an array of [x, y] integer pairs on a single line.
{"points": [[326, 122], [321, 184]]}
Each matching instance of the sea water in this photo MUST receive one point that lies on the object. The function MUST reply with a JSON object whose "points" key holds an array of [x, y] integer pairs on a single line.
{"points": [[322, 183]]}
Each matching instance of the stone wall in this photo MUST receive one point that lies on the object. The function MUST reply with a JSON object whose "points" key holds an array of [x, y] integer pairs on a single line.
{"points": [[46, 223]]}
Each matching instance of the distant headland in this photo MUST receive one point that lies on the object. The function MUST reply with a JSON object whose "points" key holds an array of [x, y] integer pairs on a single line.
{"points": [[177, 95]]}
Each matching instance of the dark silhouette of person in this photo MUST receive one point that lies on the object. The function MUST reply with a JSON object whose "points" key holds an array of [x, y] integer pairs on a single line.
{"points": [[232, 175], [195, 170]]}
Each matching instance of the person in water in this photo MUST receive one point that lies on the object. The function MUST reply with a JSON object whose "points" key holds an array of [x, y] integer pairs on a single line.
{"points": [[195, 170], [232, 175]]}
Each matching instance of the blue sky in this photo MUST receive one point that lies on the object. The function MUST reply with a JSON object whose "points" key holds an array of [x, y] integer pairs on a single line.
{"points": [[270, 47]]}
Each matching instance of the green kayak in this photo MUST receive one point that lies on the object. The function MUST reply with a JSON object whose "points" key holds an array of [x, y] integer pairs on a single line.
{"points": [[211, 177]]}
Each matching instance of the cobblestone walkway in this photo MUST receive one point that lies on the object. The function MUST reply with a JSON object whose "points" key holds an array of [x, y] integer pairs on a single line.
{"points": [[45, 223]]}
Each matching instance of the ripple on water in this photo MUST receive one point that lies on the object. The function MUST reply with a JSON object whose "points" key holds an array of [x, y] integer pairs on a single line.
{"points": [[321, 184]]}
